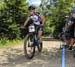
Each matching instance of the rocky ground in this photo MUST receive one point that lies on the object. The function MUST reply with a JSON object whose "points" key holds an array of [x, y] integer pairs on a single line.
{"points": [[50, 56]]}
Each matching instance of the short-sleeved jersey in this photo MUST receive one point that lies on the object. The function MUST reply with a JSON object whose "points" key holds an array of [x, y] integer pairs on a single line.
{"points": [[36, 19]]}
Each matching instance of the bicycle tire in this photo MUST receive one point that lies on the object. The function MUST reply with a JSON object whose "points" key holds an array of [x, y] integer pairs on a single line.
{"points": [[25, 48], [40, 47]]}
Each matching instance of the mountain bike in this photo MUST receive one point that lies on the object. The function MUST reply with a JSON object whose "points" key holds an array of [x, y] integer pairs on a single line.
{"points": [[31, 41]]}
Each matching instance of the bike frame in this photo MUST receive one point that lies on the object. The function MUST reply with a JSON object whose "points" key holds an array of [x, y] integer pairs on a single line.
{"points": [[35, 37]]}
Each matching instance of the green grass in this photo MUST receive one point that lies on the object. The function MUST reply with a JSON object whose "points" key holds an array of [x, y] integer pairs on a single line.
{"points": [[6, 43]]}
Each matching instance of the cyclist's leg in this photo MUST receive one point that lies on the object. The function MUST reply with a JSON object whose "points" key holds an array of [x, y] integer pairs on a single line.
{"points": [[71, 40], [71, 43], [40, 34], [67, 38]]}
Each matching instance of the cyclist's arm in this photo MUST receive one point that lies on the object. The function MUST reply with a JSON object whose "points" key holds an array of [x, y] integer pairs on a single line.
{"points": [[25, 23], [42, 19]]}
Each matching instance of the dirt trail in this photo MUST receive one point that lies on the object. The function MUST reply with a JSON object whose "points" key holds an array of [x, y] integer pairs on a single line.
{"points": [[50, 56]]}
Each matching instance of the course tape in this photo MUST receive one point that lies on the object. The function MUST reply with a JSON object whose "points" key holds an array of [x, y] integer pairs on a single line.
{"points": [[63, 57]]}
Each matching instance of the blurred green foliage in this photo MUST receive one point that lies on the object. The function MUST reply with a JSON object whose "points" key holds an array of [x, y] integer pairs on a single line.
{"points": [[56, 21], [13, 14]]}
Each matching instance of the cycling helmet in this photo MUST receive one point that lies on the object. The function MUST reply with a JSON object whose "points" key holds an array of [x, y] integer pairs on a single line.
{"points": [[31, 7]]}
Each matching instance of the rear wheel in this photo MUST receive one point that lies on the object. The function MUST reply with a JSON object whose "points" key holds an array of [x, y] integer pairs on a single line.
{"points": [[40, 46], [29, 48]]}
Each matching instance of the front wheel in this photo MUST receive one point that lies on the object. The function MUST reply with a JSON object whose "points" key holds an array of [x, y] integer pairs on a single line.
{"points": [[29, 48]]}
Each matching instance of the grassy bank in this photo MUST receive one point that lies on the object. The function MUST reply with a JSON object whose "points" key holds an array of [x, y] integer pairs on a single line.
{"points": [[6, 43]]}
